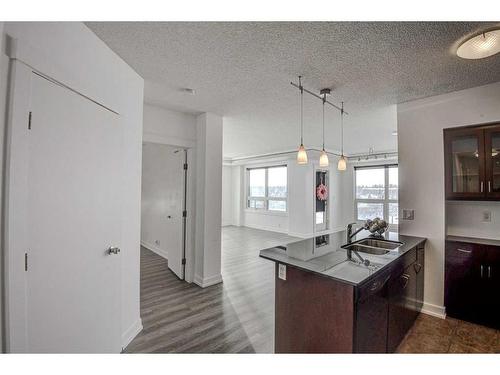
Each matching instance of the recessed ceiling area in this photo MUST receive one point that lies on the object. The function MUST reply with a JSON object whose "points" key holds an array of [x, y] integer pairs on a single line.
{"points": [[242, 70]]}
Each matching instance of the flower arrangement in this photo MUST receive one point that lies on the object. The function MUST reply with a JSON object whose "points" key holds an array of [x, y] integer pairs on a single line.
{"points": [[322, 192]]}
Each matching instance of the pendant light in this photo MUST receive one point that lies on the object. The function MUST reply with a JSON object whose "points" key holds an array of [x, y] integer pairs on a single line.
{"points": [[342, 165], [301, 154], [323, 157]]}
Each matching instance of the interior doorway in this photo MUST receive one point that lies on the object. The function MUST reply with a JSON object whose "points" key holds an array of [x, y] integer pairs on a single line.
{"points": [[164, 203]]}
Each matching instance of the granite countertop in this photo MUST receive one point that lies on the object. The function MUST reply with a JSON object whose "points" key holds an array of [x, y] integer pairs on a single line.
{"points": [[481, 241], [331, 260]]}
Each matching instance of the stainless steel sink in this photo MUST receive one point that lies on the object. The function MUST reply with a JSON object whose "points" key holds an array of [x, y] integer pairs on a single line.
{"points": [[381, 244], [366, 249], [373, 246]]}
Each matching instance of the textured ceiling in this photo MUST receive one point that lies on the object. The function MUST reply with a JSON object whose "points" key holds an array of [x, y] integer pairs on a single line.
{"points": [[242, 71]]}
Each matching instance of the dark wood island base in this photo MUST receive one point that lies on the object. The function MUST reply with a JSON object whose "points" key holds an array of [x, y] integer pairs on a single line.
{"points": [[318, 314]]}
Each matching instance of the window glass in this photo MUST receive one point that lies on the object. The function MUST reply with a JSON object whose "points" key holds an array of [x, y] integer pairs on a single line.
{"points": [[277, 205], [393, 213], [393, 183], [257, 182], [276, 184], [370, 183], [370, 210]]}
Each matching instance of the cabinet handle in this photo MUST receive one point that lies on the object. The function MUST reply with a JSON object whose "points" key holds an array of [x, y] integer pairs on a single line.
{"points": [[482, 269], [406, 279], [489, 186], [464, 251], [417, 267], [489, 272], [482, 186]]}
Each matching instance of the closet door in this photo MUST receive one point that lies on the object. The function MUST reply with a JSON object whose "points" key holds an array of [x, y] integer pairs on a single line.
{"points": [[74, 223]]}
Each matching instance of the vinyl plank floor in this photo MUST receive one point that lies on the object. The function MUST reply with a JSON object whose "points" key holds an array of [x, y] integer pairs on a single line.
{"points": [[236, 316]]}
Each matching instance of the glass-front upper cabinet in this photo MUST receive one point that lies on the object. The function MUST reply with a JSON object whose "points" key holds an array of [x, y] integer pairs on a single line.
{"points": [[492, 156], [472, 162], [464, 163]]}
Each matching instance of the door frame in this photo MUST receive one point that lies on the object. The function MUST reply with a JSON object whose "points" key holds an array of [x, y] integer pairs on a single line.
{"points": [[190, 192], [14, 223]]}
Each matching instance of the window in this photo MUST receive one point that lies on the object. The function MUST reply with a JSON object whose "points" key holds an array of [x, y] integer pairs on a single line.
{"points": [[267, 188], [377, 193]]}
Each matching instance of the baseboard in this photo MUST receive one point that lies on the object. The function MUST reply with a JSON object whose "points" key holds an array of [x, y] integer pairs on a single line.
{"points": [[155, 249], [208, 281], [301, 235], [131, 332], [263, 227], [434, 310]]}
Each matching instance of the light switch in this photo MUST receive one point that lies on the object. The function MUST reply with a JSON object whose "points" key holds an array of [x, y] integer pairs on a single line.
{"points": [[408, 214], [282, 271], [486, 216]]}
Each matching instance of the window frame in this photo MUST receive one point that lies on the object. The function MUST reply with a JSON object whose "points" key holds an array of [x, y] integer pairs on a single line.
{"points": [[386, 201], [266, 198]]}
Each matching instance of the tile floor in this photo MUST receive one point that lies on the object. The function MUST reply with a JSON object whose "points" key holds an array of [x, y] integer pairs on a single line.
{"points": [[434, 335]]}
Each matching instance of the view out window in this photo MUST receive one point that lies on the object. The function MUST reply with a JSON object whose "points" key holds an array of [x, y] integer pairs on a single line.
{"points": [[377, 193], [267, 188]]}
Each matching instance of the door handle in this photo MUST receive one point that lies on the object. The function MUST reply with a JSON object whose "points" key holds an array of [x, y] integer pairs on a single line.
{"points": [[113, 250]]}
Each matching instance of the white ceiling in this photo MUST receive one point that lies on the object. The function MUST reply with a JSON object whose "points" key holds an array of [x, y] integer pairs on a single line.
{"points": [[243, 72]]}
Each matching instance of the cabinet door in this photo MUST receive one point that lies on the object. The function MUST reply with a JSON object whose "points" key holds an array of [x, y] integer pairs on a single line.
{"points": [[492, 156], [491, 286], [401, 315], [464, 163], [464, 280], [419, 267]]}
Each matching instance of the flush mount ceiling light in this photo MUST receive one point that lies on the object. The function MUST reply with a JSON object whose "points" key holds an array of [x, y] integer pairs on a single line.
{"points": [[480, 46]]}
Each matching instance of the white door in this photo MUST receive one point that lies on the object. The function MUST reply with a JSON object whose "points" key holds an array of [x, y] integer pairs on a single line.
{"points": [[175, 221], [73, 283]]}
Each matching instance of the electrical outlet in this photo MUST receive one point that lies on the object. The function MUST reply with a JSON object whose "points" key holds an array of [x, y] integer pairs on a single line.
{"points": [[408, 214], [486, 216]]}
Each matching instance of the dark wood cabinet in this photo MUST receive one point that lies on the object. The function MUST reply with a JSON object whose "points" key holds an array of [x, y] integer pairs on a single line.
{"points": [[472, 162], [472, 283], [317, 314]]}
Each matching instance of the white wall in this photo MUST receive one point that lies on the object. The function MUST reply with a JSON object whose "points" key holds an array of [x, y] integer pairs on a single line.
{"points": [[421, 169], [161, 196], [208, 199], [3, 95], [466, 219], [227, 195], [72, 54], [165, 126]]}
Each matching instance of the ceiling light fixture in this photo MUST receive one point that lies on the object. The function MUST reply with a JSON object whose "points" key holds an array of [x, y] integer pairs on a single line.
{"points": [[480, 46], [342, 165], [301, 154], [323, 157]]}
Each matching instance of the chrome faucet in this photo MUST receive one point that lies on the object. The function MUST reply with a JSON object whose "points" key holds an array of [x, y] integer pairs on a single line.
{"points": [[349, 237]]}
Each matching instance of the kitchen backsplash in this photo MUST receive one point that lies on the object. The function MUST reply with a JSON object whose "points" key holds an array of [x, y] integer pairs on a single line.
{"points": [[473, 219]]}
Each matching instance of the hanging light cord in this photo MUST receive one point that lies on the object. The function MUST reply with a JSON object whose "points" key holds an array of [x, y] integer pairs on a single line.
{"points": [[324, 100], [301, 111], [342, 128]]}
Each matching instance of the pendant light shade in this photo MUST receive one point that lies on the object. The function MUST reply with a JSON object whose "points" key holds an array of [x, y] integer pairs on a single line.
{"points": [[481, 46], [302, 155], [342, 165], [323, 159]]}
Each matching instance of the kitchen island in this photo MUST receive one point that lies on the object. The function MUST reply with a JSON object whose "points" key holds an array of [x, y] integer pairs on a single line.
{"points": [[327, 303]]}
